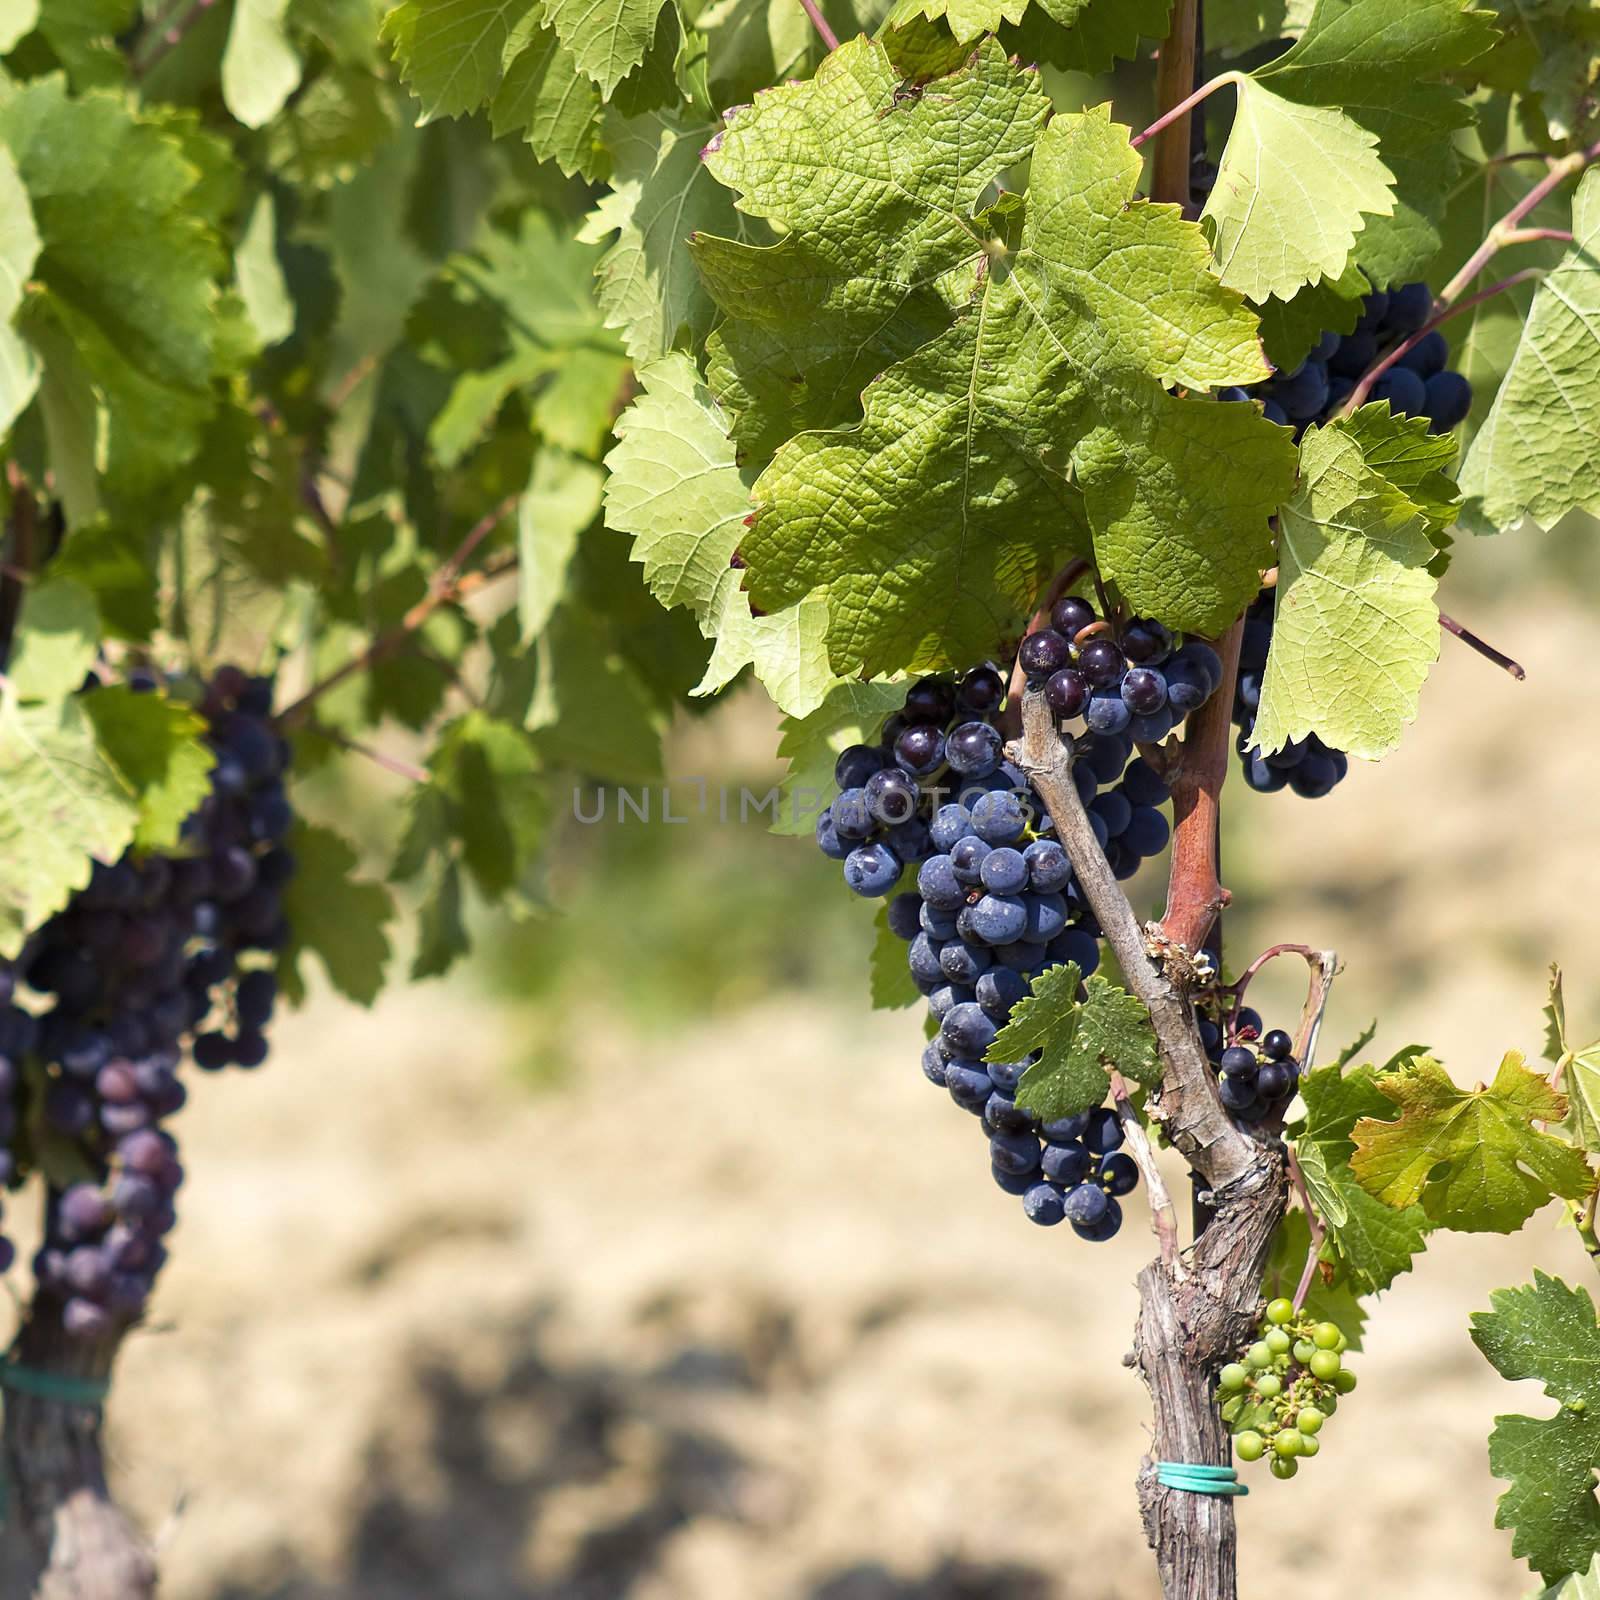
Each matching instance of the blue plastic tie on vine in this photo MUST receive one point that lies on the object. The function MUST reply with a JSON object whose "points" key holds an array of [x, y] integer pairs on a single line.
{"points": [[57, 1386], [1197, 1479]]}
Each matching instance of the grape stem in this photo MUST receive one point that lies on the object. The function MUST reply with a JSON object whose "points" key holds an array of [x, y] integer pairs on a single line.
{"points": [[448, 585], [820, 23], [1163, 1214], [1583, 1213], [1186, 105], [1242, 982], [1358, 395], [1488, 651], [379, 758], [169, 38], [1318, 1232]]}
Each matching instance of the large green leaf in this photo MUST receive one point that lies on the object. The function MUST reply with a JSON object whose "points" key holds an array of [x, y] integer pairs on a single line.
{"points": [[562, 499], [1548, 1332], [543, 96], [607, 38], [158, 746], [1534, 456], [19, 249], [450, 51], [1356, 627], [931, 525], [336, 916]]}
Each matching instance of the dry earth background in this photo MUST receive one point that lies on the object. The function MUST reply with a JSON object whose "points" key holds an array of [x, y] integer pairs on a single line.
{"points": [[729, 1309]]}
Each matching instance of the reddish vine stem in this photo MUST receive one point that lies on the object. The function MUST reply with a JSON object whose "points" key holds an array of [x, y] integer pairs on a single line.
{"points": [[1358, 395], [1195, 895], [379, 758], [1487, 651], [1183, 107], [448, 584], [1242, 982], [170, 38], [820, 23]]}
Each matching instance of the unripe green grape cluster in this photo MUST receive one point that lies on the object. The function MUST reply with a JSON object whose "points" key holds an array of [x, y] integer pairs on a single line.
{"points": [[1287, 1384]]}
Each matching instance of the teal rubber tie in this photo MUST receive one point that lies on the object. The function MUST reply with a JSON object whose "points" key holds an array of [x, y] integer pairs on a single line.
{"points": [[55, 1386], [1197, 1479]]}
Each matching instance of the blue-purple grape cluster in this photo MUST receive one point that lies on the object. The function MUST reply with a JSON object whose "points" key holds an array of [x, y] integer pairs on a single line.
{"points": [[1419, 384], [1308, 766], [994, 905], [156, 956], [1257, 1074]]}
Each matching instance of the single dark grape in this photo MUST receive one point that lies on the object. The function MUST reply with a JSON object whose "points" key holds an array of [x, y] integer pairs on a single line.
{"points": [[1403, 389], [1276, 1045], [931, 700], [982, 690], [892, 796], [1144, 690], [973, 749], [1427, 356], [1101, 663], [919, 750], [1067, 692], [1448, 399], [1070, 615], [1118, 1174], [1043, 653]]}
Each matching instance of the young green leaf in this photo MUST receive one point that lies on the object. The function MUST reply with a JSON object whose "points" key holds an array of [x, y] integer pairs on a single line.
{"points": [[1356, 627], [1472, 1158], [1578, 1072], [450, 51], [562, 499], [607, 38], [1548, 1332], [1295, 187], [1081, 1042], [1372, 1242], [544, 97], [1533, 456], [341, 919]]}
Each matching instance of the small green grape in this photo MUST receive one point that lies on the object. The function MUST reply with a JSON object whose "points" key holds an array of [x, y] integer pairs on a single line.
{"points": [[1343, 1344], [1326, 1336], [1277, 1341], [1578, 1406], [1304, 1350], [1287, 1443], [1309, 1445], [1249, 1445], [1280, 1311], [1344, 1380], [1259, 1356], [1283, 1466], [1233, 1377], [1269, 1386], [1325, 1364], [1310, 1420]]}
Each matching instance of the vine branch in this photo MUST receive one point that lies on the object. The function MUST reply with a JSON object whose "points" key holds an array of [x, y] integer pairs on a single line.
{"points": [[1488, 651], [820, 23]]}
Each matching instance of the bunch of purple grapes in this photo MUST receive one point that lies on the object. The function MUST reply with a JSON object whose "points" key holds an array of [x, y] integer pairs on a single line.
{"points": [[1417, 385], [995, 904], [1257, 1072], [1308, 766], [156, 955]]}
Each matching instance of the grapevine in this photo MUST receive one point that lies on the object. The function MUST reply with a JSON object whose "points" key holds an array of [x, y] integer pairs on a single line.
{"points": [[1059, 418]]}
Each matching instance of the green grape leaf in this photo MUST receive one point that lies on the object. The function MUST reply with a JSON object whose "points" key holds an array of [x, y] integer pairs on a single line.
{"points": [[1356, 626], [158, 746], [259, 275], [1533, 455], [892, 984], [1080, 1043], [1472, 1158], [341, 919], [592, 712], [450, 51], [63, 806], [260, 66], [1294, 188], [1371, 1242], [1548, 1332], [127, 268], [850, 713], [17, 18], [441, 931], [674, 486], [1332, 1297], [19, 249], [1578, 1072], [1085, 35], [1387, 70], [815, 317], [562, 499], [1414, 460], [607, 38], [57, 639], [931, 525], [544, 97], [1578, 1586], [661, 194]]}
